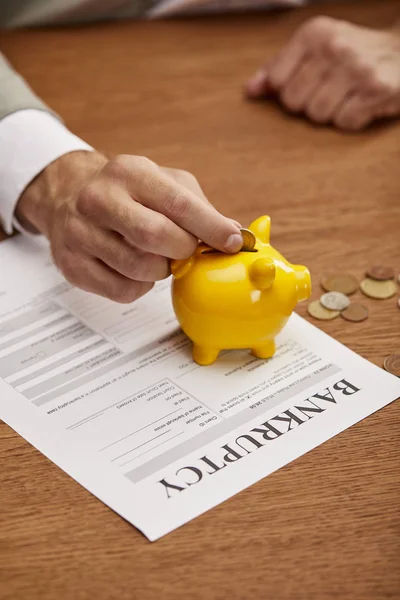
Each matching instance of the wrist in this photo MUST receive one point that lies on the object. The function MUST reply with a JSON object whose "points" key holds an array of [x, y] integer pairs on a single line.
{"points": [[59, 182]]}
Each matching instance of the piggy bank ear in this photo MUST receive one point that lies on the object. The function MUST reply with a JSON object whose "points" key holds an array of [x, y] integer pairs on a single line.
{"points": [[179, 268], [262, 273], [261, 228]]}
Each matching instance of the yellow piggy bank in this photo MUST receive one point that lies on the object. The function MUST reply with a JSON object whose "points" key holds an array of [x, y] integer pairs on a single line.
{"points": [[243, 300]]}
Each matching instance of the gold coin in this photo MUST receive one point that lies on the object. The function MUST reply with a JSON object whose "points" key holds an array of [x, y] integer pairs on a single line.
{"points": [[340, 282], [380, 273], [355, 312], [249, 240], [378, 289], [317, 311], [392, 364]]}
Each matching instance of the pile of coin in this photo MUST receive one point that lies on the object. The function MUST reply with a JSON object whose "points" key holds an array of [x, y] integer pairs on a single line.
{"points": [[378, 283], [336, 300]]}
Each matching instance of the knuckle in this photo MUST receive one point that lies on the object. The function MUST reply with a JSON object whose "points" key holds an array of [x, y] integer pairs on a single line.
{"points": [[186, 179], [316, 115], [363, 73], [378, 85], [68, 264], [340, 121], [363, 70], [141, 164], [88, 200], [123, 292], [318, 27], [134, 168], [149, 235], [120, 165], [347, 122], [185, 176], [318, 111], [188, 249], [346, 54], [339, 48], [336, 48], [73, 233], [177, 205], [291, 100], [120, 259], [132, 265]]}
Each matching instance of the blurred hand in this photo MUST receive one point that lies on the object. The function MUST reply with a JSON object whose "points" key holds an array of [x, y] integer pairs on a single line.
{"points": [[335, 72], [113, 224]]}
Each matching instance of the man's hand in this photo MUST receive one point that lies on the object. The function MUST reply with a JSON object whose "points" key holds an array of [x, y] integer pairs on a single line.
{"points": [[335, 72], [113, 224]]}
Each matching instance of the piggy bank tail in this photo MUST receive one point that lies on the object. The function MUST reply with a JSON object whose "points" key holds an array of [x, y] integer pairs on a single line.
{"points": [[303, 282], [262, 273]]}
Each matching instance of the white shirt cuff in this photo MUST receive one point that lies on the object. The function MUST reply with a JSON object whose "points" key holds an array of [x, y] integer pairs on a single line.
{"points": [[29, 141]]}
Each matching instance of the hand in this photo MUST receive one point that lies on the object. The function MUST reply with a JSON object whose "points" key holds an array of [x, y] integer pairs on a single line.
{"points": [[335, 72], [113, 224]]}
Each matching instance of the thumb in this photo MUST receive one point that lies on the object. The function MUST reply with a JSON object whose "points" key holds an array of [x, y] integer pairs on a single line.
{"points": [[259, 85]]}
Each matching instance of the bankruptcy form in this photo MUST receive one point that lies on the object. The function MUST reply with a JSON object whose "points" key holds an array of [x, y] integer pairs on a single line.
{"points": [[111, 395]]}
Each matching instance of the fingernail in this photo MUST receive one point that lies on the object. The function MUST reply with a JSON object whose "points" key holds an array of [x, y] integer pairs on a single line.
{"points": [[234, 243]]}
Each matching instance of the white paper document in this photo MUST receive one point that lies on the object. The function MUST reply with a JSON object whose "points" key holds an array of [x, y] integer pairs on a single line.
{"points": [[111, 395]]}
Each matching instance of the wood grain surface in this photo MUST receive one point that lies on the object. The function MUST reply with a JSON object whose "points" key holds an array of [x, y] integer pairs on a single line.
{"points": [[328, 525]]}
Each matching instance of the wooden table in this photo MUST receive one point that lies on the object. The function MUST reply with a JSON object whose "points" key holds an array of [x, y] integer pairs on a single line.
{"points": [[327, 525]]}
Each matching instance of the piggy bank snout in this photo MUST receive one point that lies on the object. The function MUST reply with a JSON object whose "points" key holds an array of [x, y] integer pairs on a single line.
{"points": [[303, 282]]}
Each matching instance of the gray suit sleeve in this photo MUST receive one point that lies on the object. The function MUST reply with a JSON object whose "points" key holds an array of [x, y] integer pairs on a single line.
{"points": [[15, 93]]}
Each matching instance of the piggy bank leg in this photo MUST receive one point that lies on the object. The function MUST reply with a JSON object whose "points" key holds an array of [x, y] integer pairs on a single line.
{"points": [[265, 351], [204, 355]]}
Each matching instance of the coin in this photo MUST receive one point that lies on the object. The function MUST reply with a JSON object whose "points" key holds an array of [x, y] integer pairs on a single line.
{"points": [[392, 364], [334, 301], [317, 311], [355, 312], [249, 240], [378, 289], [340, 282], [380, 273]]}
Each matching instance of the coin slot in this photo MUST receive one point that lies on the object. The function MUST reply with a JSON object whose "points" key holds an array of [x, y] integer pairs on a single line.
{"points": [[213, 251]]}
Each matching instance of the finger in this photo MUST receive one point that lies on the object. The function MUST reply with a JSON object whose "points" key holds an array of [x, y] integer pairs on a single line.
{"points": [[278, 70], [258, 85], [92, 276], [286, 62], [162, 194], [145, 229], [325, 101], [114, 251], [389, 108], [236, 223], [302, 85], [355, 113], [190, 182], [186, 179]]}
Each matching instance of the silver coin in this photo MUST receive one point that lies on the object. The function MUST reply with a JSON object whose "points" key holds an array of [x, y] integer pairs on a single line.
{"points": [[249, 240], [335, 301]]}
